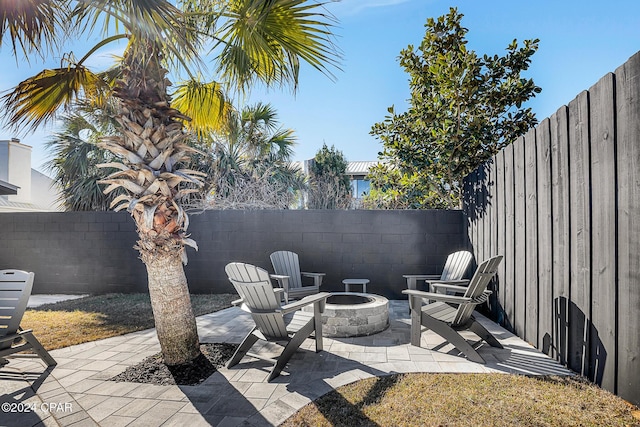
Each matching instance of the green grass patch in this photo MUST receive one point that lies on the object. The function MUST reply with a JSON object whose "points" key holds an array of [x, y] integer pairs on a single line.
{"points": [[467, 400], [91, 318]]}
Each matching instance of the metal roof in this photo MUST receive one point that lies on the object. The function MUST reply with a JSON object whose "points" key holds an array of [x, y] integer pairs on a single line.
{"points": [[7, 206], [8, 189], [360, 167]]}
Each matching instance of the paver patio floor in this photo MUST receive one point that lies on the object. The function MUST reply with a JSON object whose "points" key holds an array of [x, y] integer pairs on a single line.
{"points": [[77, 391]]}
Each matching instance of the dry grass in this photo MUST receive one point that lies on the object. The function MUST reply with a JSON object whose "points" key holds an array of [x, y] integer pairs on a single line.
{"points": [[467, 400], [95, 317]]}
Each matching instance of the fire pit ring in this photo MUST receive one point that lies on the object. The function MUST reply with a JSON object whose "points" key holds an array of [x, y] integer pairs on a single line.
{"points": [[351, 314]]}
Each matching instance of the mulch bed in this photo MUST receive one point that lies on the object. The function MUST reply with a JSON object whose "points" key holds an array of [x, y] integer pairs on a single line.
{"points": [[152, 370]]}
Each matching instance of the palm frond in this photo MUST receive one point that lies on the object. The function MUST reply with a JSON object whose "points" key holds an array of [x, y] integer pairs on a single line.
{"points": [[206, 105], [157, 21], [260, 113], [282, 143], [75, 158], [37, 99], [266, 40], [32, 25]]}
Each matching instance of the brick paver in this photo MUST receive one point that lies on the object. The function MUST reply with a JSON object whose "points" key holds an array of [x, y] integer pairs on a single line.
{"points": [[241, 395]]}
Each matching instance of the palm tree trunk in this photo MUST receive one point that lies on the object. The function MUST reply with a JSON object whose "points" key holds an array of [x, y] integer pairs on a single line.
{"points": [[172, 311], [152, 143]]}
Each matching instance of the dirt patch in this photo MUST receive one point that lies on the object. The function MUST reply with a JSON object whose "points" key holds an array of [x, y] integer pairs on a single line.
{"points": [[152, 370]]}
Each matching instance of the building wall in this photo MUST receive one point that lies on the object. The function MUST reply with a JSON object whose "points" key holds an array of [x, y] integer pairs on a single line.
{"points": [[79, 252], [15, 159], [36, 192], [44, 191]]}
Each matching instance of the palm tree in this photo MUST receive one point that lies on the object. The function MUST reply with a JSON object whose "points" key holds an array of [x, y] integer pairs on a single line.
{"points": [[256, 133], [76, 157], [250, 162], [253, 40]]}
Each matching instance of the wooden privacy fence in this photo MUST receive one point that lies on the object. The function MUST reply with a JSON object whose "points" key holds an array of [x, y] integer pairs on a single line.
{"points": [[562, 204]]}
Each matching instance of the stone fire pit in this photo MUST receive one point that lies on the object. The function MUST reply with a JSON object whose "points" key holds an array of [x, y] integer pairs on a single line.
{"points": [[350, 314]]}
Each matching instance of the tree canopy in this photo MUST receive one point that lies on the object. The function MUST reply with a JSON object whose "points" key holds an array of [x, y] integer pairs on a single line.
{"points": [[329, 186], [463, 109]]}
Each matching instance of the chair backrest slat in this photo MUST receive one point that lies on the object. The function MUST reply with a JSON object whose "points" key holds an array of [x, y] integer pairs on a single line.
{"points": [[15, 289], [254, 287], [286, 263], [477, 286], [456, 265]]}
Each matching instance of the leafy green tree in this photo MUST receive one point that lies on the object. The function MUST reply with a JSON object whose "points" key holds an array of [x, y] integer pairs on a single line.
{"points": [[248, 40], [329, 186], [463, 109]]}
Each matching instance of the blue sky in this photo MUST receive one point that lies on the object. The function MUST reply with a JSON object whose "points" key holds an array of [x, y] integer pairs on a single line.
{"points": [[580, 41]]}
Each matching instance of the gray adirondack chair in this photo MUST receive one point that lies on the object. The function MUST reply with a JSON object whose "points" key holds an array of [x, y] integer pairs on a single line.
{"points": [[448, 314], [275, 323], [15, 289], [287, 268], [454, 268]]}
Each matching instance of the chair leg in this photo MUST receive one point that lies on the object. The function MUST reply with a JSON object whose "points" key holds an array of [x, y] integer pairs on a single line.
{"points": [[39, 349], [446, 332], [317, 328], [481, 331], [291, 347], [244, 347], [416, 327]]}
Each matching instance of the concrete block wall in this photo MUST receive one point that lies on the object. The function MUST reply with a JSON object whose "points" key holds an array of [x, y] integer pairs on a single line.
{"points": [[92, 251]]}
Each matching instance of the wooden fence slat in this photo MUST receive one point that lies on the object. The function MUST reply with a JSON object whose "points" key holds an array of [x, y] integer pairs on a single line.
{"points": [[510, 236], [603, 240], [493, 240], [471, 211], [480, 209], [487, 227], [501, 234], [580, 234], [560, 228], [520, 236], [545, 246], [628, 163], [531, 239]]}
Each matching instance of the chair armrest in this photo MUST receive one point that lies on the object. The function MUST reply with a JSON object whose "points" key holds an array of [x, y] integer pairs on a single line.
{"points": [[237, 302], [317, 277], [412, 279], [422, 276], [448, 282], [446, 287], [282, 280], [437, 297], [320, 298], [304, 273]]}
